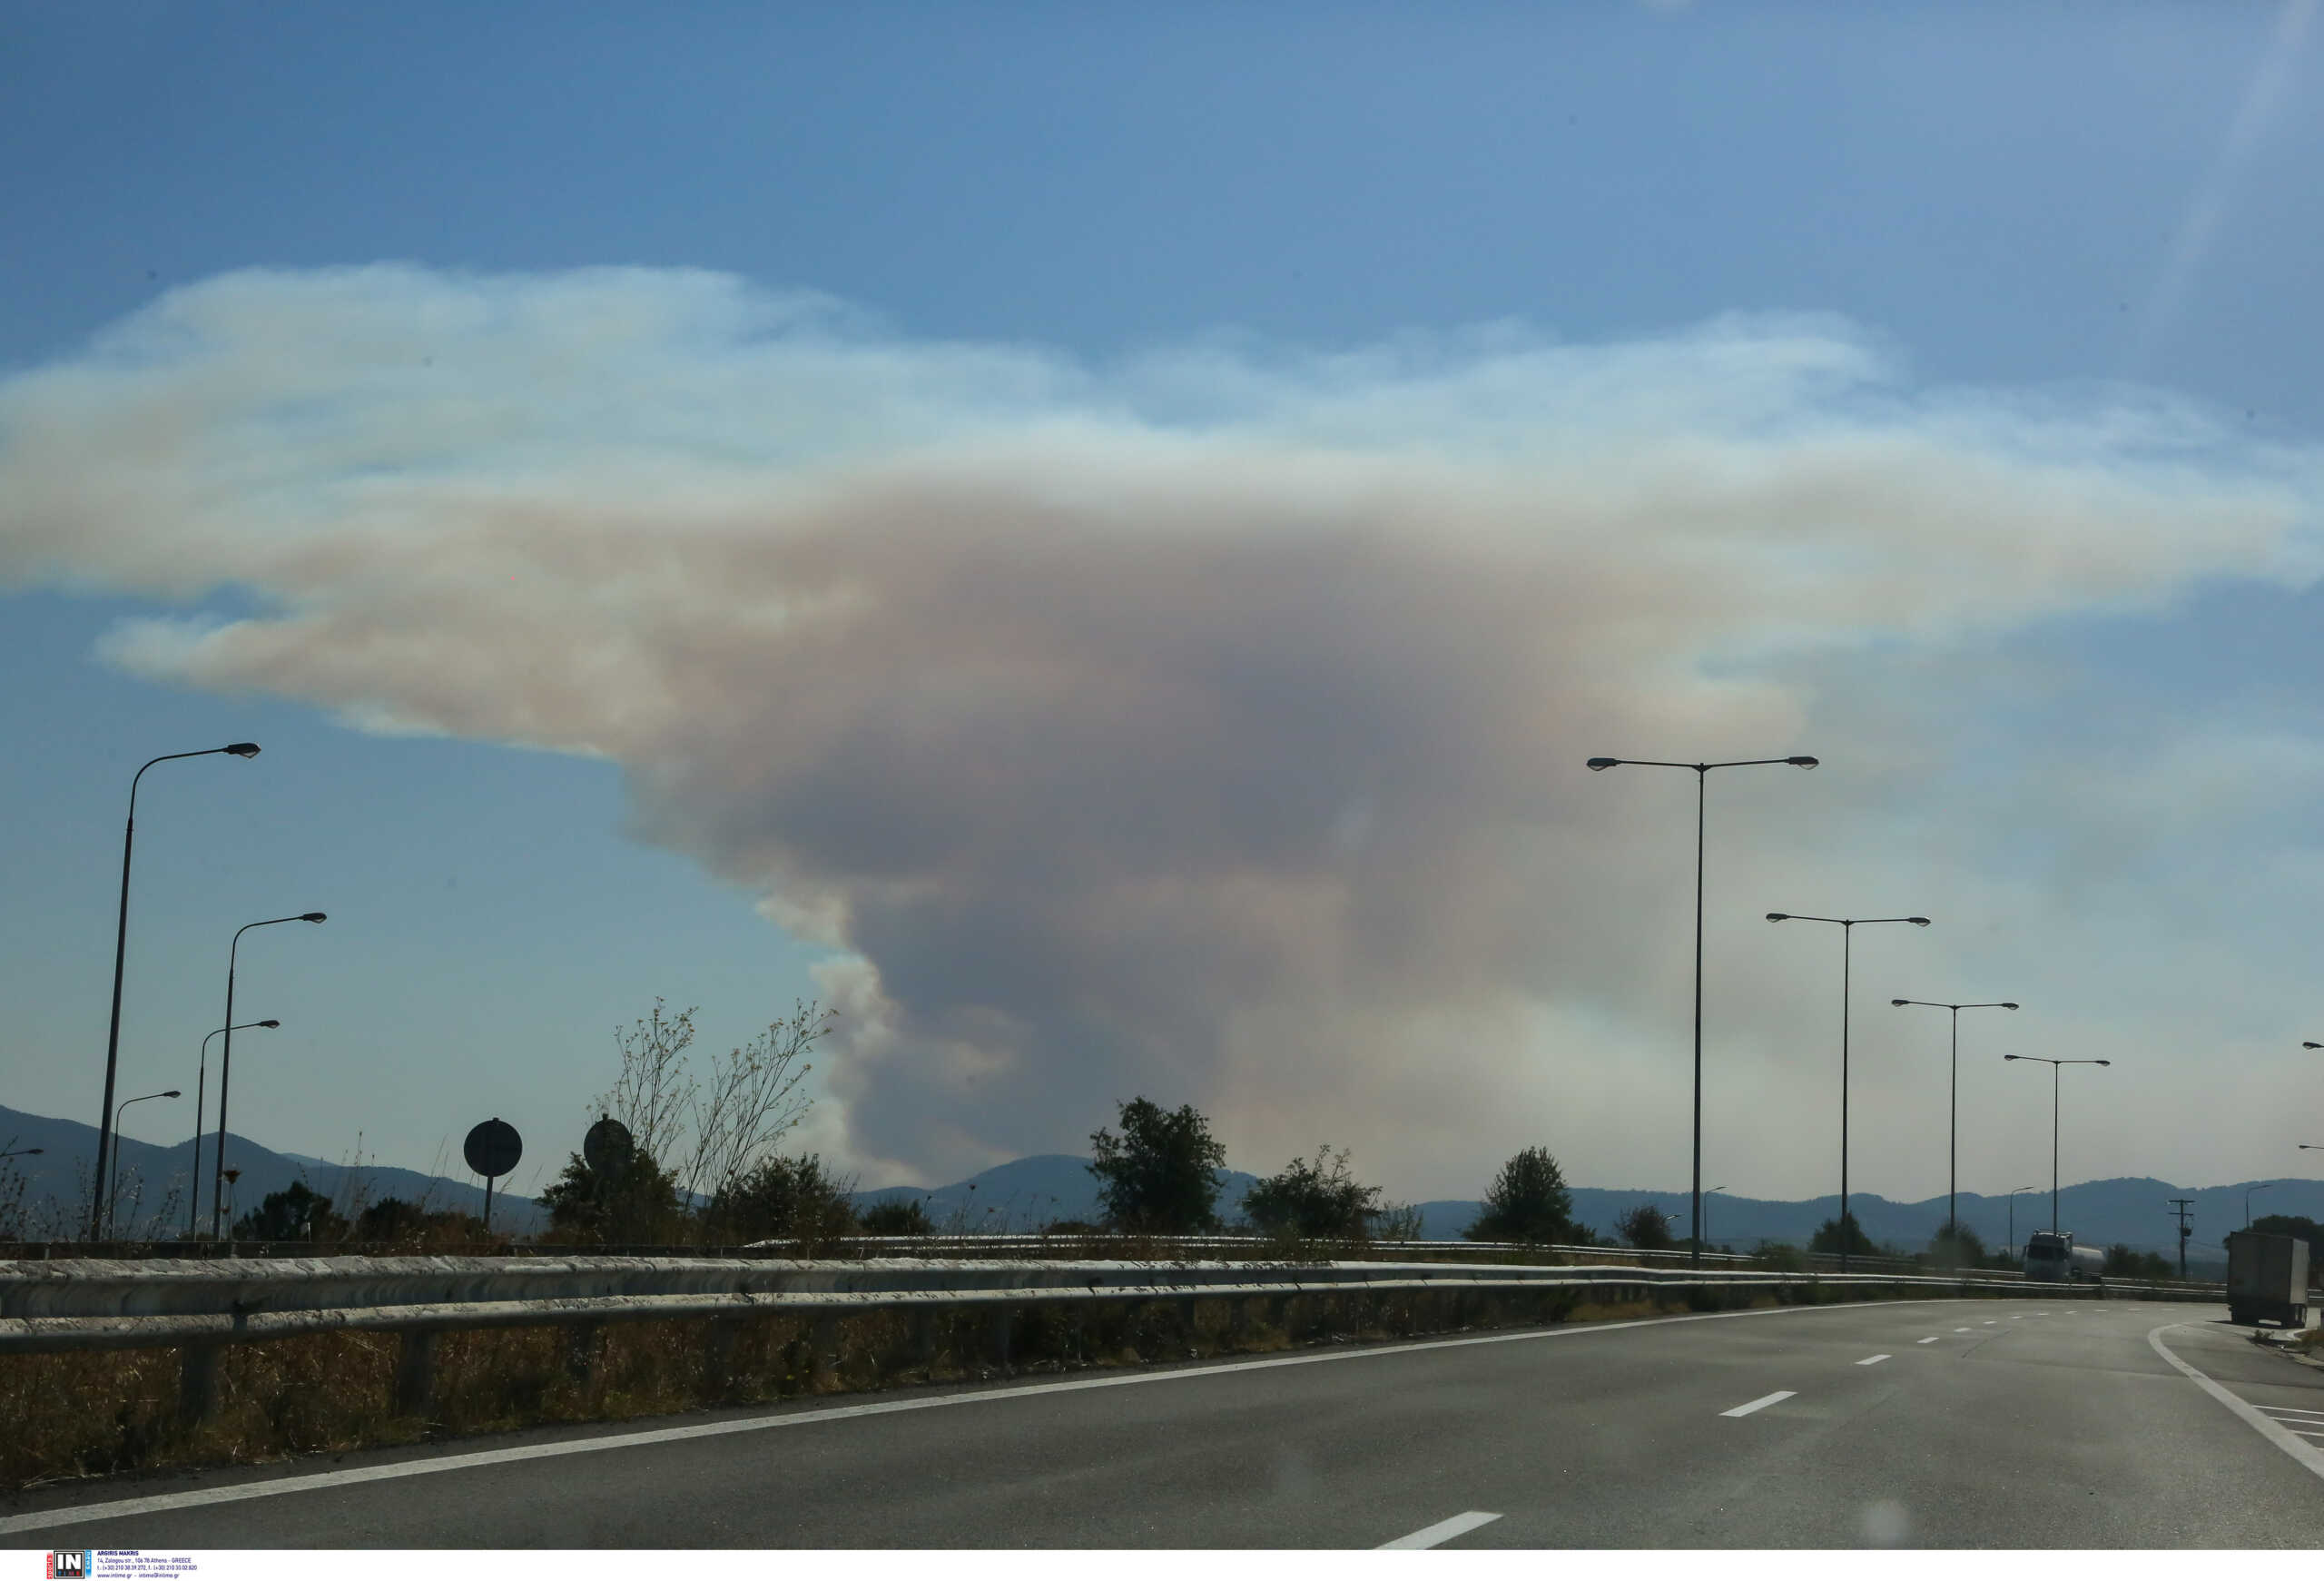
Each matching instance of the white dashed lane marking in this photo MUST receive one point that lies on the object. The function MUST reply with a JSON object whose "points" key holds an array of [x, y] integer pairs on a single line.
{"points": [[1443, 1531], [1868, 1360], [1930, 1340], [1764, 1402]]}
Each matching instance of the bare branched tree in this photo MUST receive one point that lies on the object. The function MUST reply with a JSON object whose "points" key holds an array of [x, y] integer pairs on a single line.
{"points": [[755, 1102], [654, 1094]]}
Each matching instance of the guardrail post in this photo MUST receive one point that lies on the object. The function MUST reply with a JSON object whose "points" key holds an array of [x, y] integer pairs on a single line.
{"points": [[581, 1353], [416, 1371], [1001, 1315], [827, 1345], [196, 1382], [1238, 1319], [923, 1335], [718, 1357]]}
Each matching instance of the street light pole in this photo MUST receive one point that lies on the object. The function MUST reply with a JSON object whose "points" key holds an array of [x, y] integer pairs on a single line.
{"points": [[1847, 926], [1702, 779], [2262, 1186], [2012, 1215], [1953, 1134], [200, 1083], [120, 956], [226, 1065], [112, 1183], [2054, 1066]]}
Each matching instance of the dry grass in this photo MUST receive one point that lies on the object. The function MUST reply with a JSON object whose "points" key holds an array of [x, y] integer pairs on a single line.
{"points": [[93, 1413]]}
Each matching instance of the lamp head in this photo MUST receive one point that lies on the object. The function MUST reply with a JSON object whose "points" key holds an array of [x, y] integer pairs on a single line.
{"points": [[2013, 1056], [242, 749], [1779, 916], [1900, 1002], [2312, 1045], [1801, 761], [312, 916], [2105, 1061], [2009, 1004], [1599, 764], [1917, 922], [173, 1092], [266, 1024]]}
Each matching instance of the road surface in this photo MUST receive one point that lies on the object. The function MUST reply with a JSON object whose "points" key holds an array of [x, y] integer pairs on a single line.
{"points": [[1955, 1424]]}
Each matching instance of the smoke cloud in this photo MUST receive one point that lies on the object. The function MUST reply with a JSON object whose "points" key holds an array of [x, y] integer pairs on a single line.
{"points": [[1209, 723]]}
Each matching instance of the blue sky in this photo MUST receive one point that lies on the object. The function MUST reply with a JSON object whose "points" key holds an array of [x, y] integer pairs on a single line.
{"points": [[2079, 241]]}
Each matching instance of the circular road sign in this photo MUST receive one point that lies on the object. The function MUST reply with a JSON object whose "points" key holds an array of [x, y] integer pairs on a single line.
{"points": [[493, 1148], [607, 1146]]}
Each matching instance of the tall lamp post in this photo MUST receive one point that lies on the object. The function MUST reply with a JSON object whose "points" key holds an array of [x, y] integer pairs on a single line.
{"points": [[1847, 926], [2054, 1065], [1702, 778], [112, 1183], [201, 1081], [1953, 1132], [226, 1065], [2012, 1215], [2262, 1186], [120, 954]]}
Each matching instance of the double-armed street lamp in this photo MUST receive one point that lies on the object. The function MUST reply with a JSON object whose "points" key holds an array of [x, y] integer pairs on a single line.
{"points": [[1702, 777], [1953, 1133], [2054, 1065], [1847, 926], [120, 953], [112, 1183], [201, 1079], [226, 1066]]}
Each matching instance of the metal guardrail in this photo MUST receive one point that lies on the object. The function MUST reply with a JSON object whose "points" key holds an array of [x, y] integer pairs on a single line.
{"points": [[198, 1306]]}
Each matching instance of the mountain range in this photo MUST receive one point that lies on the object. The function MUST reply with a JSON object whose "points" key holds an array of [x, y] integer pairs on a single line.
{"points": [[1028, 1194]]}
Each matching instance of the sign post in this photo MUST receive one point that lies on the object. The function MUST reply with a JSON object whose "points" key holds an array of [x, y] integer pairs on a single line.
{"points": [[492, 1151]]}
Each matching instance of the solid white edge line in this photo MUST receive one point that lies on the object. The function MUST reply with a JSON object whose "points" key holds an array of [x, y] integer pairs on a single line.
{"points": [[2307, 1454], [1764, 1402], [1443, 1531], [1868, 1360], [269, 1488]]}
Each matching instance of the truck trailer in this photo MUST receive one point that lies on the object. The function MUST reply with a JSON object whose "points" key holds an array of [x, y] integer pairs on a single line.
{"points": [[2266, 1278], [2052, 1257]]}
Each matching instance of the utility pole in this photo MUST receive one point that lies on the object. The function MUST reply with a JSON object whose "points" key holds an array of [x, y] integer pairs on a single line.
{"points": [[2180, 1206]]}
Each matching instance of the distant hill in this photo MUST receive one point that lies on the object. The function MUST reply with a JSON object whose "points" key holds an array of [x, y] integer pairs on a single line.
{"points": [[56, 1196], [1029, 1192], [1024, 1194]]}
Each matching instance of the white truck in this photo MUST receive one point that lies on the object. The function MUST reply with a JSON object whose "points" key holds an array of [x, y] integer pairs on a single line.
{"points": [[2266, 1278], [2052, 1257]]}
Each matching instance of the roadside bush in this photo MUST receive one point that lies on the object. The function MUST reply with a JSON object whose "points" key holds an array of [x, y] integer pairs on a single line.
{"points": [[1645, 1227], [1845, 1234], [897, 1216], [1161, 1175], [1321, 1200], [1528, 1201], [1964, 1249], [792, 1199], [294, 1213]]}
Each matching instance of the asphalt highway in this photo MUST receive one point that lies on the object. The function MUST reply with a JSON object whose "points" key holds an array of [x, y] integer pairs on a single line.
{"points": [[1950, 1424]]}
